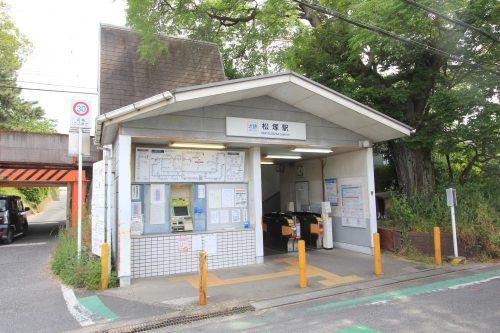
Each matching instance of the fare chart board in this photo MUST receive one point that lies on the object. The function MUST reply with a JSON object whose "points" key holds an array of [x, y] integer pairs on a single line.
{"points": [[177, 165]]}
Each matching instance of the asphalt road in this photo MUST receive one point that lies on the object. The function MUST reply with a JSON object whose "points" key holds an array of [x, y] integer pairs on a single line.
{"points": [[30, 298], [460, 302]]}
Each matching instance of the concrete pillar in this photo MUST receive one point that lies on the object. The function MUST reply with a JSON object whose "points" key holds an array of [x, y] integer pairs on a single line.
{"points": [[371, 192], [255, 201], [124, 173]]}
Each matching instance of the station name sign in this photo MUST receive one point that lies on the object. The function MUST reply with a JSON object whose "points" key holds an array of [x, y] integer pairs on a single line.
{"points": [[261, 128]]}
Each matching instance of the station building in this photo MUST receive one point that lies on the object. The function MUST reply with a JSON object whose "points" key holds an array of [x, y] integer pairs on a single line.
{"points": [[191, 157]]}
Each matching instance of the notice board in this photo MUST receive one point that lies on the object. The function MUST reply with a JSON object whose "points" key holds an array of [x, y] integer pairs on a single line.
{"points": [[227, 206], [180, 165]]}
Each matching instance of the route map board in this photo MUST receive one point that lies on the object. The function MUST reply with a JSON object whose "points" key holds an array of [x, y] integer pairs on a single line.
{"points": [[176, 165]]}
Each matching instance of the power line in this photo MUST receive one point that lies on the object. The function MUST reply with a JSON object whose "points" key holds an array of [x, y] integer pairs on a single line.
{"points": [[45, 84], [450, 19], [430, 49], [51, 90]]}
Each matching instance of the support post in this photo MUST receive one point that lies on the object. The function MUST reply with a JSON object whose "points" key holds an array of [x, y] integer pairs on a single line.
{"points": [[202, 277], [437, 246], [376, 254], [302, 263], [255, 201], [454, 230], [104, 265], [79, 249]]}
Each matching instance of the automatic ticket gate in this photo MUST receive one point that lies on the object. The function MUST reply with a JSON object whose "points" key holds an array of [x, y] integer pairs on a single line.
{"points": [[281, 231], [311, 227]]}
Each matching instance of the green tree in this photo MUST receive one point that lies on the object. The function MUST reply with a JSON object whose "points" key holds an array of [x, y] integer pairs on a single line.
{"points": [[15, 113], [428, 90]]}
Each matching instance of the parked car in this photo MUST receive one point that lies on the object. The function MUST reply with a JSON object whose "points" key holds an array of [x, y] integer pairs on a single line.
{"points": [[13, 221]]}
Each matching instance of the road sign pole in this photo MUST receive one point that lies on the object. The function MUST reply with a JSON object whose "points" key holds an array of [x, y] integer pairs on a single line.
{"points": [[79, 192], [454, 229]]}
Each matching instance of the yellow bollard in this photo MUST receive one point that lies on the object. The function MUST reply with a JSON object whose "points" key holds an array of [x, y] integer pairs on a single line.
{"points": [[202, 277], [437, 246], [104, 265], [302, 264], [376, 254]]}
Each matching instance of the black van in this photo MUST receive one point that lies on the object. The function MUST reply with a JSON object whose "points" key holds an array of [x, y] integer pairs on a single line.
{"points": [[13, 220]]}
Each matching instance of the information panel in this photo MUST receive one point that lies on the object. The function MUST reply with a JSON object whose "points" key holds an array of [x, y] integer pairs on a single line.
{"points": [[176, 165], [352, 206]]}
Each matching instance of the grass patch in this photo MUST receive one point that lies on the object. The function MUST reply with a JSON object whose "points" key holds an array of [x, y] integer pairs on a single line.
{"points": [[411, 253], [83, 274]]}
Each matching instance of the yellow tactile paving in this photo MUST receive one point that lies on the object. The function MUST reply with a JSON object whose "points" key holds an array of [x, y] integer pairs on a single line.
{"points": [[330, 279]]}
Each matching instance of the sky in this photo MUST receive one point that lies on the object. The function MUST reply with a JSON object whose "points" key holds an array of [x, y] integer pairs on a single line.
{"points": [[65, 38]]}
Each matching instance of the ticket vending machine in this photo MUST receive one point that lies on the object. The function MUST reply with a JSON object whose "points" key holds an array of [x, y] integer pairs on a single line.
{"points": [[181, 218]]}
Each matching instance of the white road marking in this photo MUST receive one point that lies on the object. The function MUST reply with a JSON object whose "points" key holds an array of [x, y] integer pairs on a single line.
{"points": [[24, 244], [81, 314], [473, 282]]}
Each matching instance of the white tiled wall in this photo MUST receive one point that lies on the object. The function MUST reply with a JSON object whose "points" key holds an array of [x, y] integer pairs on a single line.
{"points": [[158, 255]]}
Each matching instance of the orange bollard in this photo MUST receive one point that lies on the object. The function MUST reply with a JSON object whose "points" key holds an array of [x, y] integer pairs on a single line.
{"points": [[202, 277], [302, 264], [376, 254], [437, 246]]}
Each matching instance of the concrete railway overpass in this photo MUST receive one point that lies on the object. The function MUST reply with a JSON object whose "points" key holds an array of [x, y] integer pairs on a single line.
{"points": [[41, 160]]}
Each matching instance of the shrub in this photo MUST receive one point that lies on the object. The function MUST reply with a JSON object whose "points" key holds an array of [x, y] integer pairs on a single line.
{"points": [[83, 274], [478, 220], [35, 195]]}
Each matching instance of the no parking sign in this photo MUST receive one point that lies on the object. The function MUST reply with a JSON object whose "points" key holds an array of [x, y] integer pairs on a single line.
{"points": [[81, 116]]}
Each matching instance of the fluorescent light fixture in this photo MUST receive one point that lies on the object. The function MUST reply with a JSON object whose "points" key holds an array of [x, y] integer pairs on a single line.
{"points": [[312, 150], [285, 157], [267, 162], [197, 145]]}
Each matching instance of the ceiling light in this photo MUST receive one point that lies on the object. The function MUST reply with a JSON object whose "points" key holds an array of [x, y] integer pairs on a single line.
{"points": [[197, 145], [285, 157], [312, 150], [266, 162]]}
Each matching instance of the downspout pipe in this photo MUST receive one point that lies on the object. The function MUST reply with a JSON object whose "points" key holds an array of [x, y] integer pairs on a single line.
{"points": [[135, 107]]}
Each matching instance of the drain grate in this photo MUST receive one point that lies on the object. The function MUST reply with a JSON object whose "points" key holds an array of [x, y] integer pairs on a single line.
{"points": [[179, 320]]}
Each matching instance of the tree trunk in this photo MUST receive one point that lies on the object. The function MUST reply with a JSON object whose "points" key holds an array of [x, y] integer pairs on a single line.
{"points": [[413, 168]]}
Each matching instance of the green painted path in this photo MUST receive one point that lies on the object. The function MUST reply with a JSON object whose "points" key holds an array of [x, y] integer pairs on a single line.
{"points": [[95, 305], [426, 288], [358, 329]]}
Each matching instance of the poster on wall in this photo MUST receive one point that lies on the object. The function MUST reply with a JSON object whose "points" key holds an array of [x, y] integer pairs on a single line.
{"points": [[331, 191], [136, 192], [352, 206], [157, 202], [142, 165], [240, 197], [301, 195], [98, 202]]}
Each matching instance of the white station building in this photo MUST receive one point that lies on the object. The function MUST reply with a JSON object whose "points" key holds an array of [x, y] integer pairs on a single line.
{"points": [[187, 170]]}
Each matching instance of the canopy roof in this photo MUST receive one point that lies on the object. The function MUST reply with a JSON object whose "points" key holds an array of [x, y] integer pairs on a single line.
{"points": [[288, 87]]}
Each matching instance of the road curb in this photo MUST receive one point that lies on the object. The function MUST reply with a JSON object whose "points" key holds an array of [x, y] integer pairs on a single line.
{"points": [[364, 285]]}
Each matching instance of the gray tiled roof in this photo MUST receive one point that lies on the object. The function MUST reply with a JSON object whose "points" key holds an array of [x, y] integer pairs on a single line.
{"points": [[123, 79]]}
